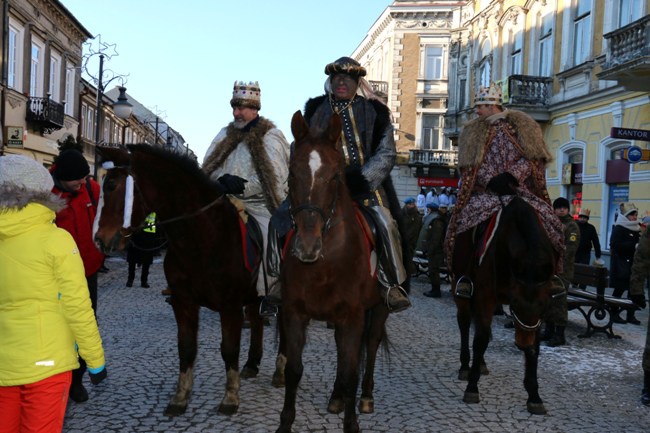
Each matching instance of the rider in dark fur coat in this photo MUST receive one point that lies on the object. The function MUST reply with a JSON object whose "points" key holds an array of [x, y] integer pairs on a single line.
{"points": [[368, 146]]}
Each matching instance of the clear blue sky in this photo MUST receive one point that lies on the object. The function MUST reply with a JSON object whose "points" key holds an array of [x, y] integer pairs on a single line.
{"points": [[183, 57]]}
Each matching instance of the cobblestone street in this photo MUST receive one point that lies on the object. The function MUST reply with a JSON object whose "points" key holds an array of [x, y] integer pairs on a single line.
{"points": [[591, 385]]}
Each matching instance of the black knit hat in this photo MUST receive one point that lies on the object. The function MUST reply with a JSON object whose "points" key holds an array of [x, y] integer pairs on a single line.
{"points": [[71, 165], [561, 202]]}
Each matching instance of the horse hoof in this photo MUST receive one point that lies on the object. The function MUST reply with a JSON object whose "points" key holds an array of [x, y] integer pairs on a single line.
{"points": [[463, 375], [174, 410], [366, 405], [335, 406], [278, 380], [248, 372], [484, 370], [536, 408], [227, 409], [471, 397]]}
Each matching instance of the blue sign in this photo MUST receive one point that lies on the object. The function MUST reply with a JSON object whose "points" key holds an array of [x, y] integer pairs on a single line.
{"points": [[634, 154]]}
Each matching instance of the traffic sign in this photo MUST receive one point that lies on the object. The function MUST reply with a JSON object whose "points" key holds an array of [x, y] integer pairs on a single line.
{"points": [[630, 134], [634, 154]]}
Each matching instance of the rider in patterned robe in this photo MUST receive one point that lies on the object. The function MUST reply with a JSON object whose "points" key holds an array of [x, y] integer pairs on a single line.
{"points": [[501, 155]]}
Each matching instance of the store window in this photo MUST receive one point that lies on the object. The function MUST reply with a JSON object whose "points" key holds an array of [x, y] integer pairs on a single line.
{"points": [[617, 177], [572, 180]]}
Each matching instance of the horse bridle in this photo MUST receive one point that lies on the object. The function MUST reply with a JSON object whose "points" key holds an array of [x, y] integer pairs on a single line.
{"points": [[144, 224], [327, 219]]}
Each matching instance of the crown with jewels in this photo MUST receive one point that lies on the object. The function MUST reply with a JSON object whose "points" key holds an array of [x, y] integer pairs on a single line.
{"points": [[585, 213], [488, 95], [246, 95]]}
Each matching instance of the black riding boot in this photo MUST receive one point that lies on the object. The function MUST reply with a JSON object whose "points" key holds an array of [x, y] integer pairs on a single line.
{"points": [[558, 338], [549, 331], [645, 394]]}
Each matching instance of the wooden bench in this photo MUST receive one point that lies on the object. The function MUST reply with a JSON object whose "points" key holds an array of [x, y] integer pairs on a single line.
{"points": [[422, 267], [596, 307]]}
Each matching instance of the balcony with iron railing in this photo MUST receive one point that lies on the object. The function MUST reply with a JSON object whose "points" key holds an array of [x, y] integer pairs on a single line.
{"points": [[430, 157], [45, 114], [528, 93], [628, 55]]}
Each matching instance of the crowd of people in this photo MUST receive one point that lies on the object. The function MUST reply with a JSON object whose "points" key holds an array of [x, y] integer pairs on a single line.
{"points": [[47, 221]]}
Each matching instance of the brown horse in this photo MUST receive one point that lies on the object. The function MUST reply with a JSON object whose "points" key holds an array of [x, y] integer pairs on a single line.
{"points": [[327, 274], [517, 268], [204, 264]]}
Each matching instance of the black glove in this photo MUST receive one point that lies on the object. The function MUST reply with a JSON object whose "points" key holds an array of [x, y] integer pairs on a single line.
{"points": [[639, 300], [503, 184], [232, 184], [96, 378], [357, 184]]}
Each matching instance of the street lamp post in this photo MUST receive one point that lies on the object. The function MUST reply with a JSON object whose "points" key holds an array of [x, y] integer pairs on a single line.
{"points": [[122, 108]]}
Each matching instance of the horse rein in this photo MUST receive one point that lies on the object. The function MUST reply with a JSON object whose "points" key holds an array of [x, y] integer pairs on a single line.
{"points": [[129, 199], [327, 219], [522, 325]]}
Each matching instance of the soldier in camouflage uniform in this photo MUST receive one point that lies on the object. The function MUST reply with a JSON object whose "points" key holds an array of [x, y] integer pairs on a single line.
{"points": [[639, 277], [558, 315]]}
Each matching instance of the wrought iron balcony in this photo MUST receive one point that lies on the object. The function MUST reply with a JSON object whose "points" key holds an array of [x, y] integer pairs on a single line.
{"points": [[46, 114], [628, 55], [421, 158]]}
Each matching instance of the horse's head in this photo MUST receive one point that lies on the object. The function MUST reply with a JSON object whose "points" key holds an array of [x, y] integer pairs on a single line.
{"points": [[315, 185], [119, 208], [531, 271]]}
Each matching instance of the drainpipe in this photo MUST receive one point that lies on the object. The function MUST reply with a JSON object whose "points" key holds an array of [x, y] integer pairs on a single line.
{"points": [[3, 86]]}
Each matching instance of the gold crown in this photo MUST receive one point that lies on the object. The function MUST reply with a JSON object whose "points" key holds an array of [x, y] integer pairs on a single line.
{"points": [[246, 95], [488, 95], [585, 212]]}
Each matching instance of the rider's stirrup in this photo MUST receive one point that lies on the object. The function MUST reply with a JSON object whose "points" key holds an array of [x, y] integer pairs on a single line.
{"points": [[397, 299], [464, 288], [267, 309]]}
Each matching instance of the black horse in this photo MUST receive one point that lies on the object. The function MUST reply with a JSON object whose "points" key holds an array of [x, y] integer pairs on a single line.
{"points": [[517, 268]]}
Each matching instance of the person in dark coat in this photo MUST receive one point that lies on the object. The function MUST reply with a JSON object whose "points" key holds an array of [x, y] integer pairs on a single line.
{"points": [[412, 223], [622, 245], [435, 249], [588, 238]]}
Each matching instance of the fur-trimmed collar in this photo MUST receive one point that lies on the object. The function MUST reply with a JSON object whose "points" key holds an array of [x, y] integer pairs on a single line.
{"points": [[16, 197], [472, 140], [254, 138]]}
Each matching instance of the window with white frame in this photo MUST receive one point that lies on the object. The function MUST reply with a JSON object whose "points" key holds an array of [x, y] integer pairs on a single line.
{"points": [[55, 77], [70, 86], [581, 31], [36, 69], [14, 57], [116, 133], [433, 62], [107, 130], [631, 10], [484, 73], [431, 132], [516, 57], [546, 45]]}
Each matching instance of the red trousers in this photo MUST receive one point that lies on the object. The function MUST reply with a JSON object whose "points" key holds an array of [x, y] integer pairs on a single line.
{"points": [[35, 408]]}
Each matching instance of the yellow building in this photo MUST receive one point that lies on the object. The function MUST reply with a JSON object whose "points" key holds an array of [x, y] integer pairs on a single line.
{"points": [[580, 68]]}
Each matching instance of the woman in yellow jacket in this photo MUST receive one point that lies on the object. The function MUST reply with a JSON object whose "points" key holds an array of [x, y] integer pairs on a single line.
{"points": [[45, 311]]}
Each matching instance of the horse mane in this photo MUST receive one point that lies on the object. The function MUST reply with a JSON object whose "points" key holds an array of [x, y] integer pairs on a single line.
{"points": [[183, 161]]}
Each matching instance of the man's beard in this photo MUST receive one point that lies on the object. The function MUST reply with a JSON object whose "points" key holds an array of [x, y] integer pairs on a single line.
{"points": [[239, 123]]}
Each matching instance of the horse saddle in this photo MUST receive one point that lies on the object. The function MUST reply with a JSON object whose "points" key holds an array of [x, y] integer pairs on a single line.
{"points": [[484, 233]]}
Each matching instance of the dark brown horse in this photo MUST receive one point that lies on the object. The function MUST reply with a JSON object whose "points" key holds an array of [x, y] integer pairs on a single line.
{"points": [[517, 268], [204, 264], [327, 274]]}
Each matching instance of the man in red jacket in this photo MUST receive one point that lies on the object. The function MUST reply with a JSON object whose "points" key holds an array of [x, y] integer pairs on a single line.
{"points": [[70, 174]]}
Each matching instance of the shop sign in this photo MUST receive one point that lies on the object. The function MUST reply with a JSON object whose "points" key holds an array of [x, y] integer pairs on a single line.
{"points": [[14, 136]]}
